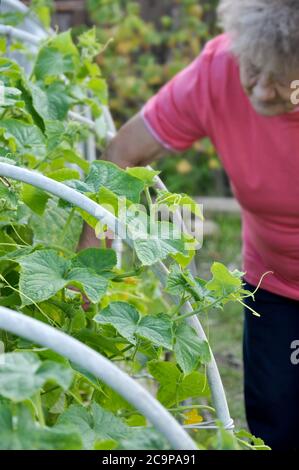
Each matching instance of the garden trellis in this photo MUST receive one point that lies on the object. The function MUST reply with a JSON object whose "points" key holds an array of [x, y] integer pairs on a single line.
{"points": [[29, 328]]}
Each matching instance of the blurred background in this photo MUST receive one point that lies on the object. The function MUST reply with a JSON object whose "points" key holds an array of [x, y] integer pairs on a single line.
{"points": [[152, 41]]}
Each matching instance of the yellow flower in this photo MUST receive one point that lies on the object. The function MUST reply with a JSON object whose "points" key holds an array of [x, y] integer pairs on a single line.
{"points": [[192, 417]]}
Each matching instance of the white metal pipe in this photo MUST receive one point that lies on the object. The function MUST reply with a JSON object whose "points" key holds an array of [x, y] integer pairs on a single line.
{"points": [[19, 34], [15, 5], [100, 367], [214, 379]]}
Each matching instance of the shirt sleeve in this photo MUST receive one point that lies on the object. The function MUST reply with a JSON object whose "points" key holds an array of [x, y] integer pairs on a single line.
{"points": [[177, 115]]}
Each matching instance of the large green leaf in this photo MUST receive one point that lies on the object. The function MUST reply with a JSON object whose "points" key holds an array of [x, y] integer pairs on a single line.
{"points": [[106, 174], [97, 259], [93, 424], [97, 424], [94, 285], [23, 374], [51, 103], [189, 350], [34, 198], [20, 432], [49, 229], [51, 62], [153, 240], [151, 250], [122, 316], [174, 386], [129, 324], [65, 44], [157, 329], [27, 138], [44, 273]]}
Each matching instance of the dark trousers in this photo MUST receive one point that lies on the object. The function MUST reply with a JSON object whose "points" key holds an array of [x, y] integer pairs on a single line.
{"points": [[271, 380]]}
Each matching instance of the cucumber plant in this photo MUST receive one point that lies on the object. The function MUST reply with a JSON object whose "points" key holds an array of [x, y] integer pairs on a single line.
{"points": [[46, 401]]}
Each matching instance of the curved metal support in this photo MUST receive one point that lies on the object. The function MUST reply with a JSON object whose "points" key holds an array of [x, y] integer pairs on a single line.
{"points": [[94, 209], [19, 34], [100, 367]]}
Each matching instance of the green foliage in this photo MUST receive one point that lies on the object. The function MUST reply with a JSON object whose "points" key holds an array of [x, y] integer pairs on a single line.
{"points": [[45, 402], [23, 374], [174, 386], [20, 432], [99, 427]]}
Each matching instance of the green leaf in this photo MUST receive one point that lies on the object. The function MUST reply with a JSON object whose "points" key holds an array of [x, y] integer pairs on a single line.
{"points": [[224, 282], [34, 198], [175, 201], [8, 197], [96, 259], [26, 137], [157, 329], [70, 156], [122, 316], [182, 282], [51, 103], [174, 386], [127, 321], [89, 44], [43, 9], [20, 432], [49, 229], [153, 240], [16, 254], [105, 444], [12, 97], [44, 273], [51, 62], [144, 174], [23, 374], [63, 174], [106, 174], [93, 424], [151, 250], [255, 442], [97, 425], [109, 200], [92, 284], [189, 350], [65, 44]]}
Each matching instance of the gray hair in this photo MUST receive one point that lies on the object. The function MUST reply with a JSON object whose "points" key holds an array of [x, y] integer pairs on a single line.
{"points": [[263, 30]]}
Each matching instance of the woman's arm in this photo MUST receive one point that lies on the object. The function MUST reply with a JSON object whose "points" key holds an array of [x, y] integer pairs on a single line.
{"points": [[134, 145]]}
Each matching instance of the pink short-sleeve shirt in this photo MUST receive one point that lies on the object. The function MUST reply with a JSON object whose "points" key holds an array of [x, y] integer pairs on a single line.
{"points": [[260, 155]]}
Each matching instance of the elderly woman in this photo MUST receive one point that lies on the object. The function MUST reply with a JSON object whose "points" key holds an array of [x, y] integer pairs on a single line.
{"points": [[239, 92]]}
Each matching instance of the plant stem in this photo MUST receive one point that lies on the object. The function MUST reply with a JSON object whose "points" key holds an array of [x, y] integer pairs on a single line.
{"points": [[67, 224], [39, 409], [148, 197], [188, 407], [200, 310]]}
